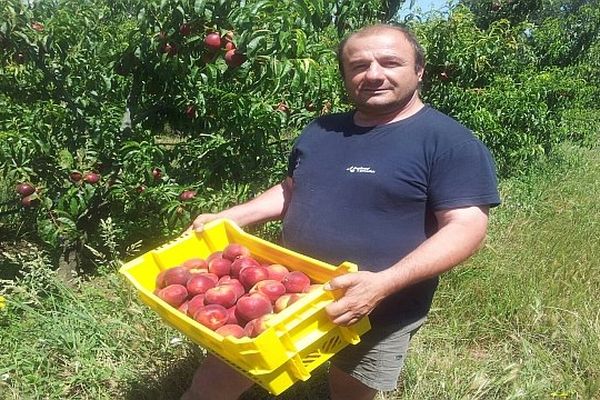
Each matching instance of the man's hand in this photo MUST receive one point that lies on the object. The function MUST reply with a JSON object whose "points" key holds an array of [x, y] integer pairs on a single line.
{"points": [[363, 290], [200, 221]]}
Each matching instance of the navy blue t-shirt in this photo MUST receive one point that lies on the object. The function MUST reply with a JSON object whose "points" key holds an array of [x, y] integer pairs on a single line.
{"points": [[367, 195]]}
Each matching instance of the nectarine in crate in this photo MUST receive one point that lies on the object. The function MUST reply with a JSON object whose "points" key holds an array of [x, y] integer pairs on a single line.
{"points": [[278, 348]]}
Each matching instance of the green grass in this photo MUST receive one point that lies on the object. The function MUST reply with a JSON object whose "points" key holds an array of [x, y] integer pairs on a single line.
{"points": [[520, 320]]}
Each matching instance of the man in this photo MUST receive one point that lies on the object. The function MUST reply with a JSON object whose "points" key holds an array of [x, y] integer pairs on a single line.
{"points": [[394, 186]]}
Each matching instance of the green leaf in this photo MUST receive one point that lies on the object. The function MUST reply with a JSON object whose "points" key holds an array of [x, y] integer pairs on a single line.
{"points": [[300, 42], [257, 7], [73, 207], [199, 6], [65, 159], [141, 15]]}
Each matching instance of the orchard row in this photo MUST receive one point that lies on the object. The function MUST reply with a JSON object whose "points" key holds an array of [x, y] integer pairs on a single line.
{"points": [[29, 197]]}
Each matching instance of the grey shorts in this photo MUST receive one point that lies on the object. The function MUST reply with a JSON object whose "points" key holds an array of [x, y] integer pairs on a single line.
{"points": [[378, 359]]}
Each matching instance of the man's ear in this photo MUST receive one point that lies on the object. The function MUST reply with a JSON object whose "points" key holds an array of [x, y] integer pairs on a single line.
{"points": [[420, 73]]}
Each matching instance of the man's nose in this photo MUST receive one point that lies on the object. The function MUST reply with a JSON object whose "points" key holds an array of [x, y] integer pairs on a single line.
{"points": [[375, 72]]}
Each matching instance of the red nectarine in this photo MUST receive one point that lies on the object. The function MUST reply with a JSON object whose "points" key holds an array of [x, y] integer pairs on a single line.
{"points": [[269, 287], [240, 263], [179, 275], [235, 250], [213, 316], [199, 283], [25, 189], [174, 294], [224, 295], [194, 304], [195, 263], [257, 326], [235, 284], [231, 330], [296, 282], [212, 41], [251, 275], [219, 266], [212, 256], [277, 271], [252, 306], [285, 300]]}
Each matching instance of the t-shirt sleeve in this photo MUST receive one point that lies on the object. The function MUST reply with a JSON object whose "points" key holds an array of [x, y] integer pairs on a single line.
{"points": [[462, 176], [294, 156], [292, 161]]}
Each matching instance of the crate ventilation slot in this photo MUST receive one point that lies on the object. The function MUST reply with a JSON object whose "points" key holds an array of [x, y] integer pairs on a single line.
{"points": [[310, 358], [332, 344]]}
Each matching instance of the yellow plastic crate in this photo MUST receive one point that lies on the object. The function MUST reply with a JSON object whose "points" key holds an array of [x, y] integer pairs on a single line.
{"points": [[298, 339]]}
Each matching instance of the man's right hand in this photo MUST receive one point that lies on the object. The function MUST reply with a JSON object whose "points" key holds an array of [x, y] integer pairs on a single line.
{"points": [[199, 222]]}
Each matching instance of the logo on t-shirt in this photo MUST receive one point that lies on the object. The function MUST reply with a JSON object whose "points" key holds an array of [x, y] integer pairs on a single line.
{"points": [[360, 170]]}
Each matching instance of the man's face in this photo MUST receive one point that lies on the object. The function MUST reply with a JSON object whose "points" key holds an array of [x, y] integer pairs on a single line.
{"points": [[379, 71]]}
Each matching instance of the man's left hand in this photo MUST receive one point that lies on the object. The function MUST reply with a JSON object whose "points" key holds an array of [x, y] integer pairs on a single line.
{"points": [[362, 292]]}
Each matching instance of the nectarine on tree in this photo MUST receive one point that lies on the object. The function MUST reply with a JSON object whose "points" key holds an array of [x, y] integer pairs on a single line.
{"points": [[187, 195], [91, 177], [30, 201], [233, 58], [185, 29], [75, 176], [25, 189], [212, 42], [156, 173]]}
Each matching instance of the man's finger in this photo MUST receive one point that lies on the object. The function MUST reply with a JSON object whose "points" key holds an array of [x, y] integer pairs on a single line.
{"points": [[339, 282], [346, 319], [195, 226]]}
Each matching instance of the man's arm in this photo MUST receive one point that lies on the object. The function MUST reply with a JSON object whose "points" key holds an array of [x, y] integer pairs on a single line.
{"points": [[461, 232], [269, 205]]}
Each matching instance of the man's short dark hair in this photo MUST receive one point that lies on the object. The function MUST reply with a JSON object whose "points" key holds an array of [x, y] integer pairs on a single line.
{"points": [[419, 52]]}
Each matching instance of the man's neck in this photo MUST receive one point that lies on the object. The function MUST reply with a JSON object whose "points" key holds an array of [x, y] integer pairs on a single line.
{"points": [[368, 118]]}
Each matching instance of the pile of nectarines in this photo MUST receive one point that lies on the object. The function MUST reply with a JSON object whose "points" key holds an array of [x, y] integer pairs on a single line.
{"points": [[230, 291]]}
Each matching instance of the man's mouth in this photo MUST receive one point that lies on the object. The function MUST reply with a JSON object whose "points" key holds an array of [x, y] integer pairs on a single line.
{"points": [[374, 90]]}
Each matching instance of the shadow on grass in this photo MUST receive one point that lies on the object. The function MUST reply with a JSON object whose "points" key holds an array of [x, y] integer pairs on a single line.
{"points": [[167, 383], [171, 382]]}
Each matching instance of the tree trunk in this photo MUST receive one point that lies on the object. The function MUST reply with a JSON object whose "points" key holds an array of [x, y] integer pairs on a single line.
{"points": [[68, 264]]}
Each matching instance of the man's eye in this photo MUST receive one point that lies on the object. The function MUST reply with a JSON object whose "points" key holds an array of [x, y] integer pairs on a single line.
{"points": [[360, 67], [391, 64]]}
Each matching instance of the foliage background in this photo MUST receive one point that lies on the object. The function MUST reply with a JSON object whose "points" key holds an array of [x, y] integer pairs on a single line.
{"points": [[125, 88], [86, 86]]}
